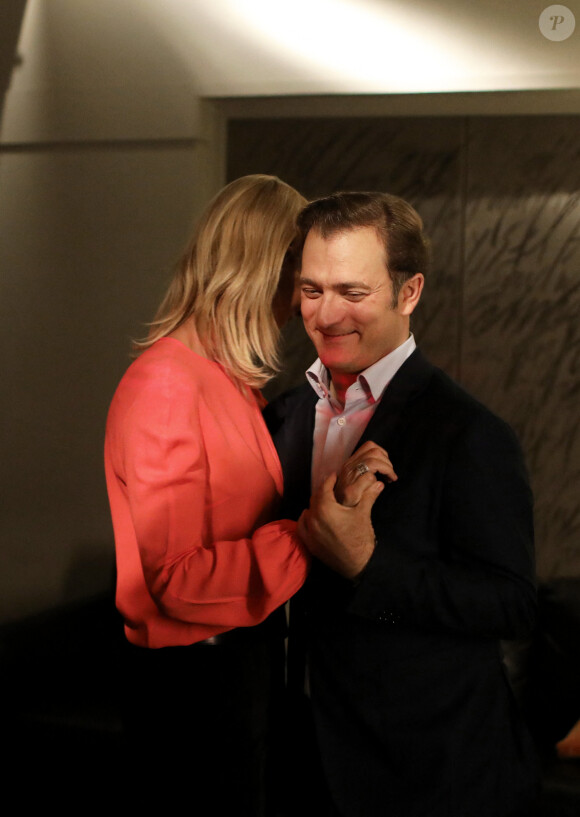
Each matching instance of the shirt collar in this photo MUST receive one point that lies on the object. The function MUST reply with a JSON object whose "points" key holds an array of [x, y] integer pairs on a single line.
{"points": [[374, 380]]}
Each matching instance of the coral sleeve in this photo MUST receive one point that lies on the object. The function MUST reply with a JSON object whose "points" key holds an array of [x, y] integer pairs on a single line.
{"points": [[198, 492]]}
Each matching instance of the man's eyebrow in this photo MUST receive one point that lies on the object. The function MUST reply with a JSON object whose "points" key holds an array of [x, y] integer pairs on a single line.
{"points": [[343, 286]]}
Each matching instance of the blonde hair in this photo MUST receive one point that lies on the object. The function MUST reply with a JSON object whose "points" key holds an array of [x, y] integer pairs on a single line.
{"points": [[229, 274]]}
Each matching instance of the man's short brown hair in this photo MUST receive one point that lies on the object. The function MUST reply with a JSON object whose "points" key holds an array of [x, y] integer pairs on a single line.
{"points": [[397, 223]]}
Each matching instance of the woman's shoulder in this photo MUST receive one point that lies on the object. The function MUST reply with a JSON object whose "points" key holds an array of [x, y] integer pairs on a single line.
{"points": [[168, 362], [166, 373]]}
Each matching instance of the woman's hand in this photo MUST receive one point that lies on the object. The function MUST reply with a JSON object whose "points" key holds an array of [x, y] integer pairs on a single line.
{"points": [[358, 473]]}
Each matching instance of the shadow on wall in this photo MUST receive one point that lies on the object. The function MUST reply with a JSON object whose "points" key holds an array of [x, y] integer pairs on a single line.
{"points": [[11, 17]]}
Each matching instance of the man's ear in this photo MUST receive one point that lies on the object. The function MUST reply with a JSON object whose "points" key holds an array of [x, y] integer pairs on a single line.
{"points": [[410, 293]]}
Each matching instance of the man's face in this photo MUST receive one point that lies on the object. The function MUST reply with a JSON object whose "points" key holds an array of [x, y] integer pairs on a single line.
{"points": [[347, 297]]}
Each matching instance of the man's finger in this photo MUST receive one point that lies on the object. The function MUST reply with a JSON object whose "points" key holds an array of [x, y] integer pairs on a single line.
{"points": [[389, 471], [375, 459], [369, 496], [328, 485], [350, 495]]}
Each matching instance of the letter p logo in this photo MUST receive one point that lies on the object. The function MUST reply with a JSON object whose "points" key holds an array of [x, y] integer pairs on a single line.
{"points": [[557, 23]]}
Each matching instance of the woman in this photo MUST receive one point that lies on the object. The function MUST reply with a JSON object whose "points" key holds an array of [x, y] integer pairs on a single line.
{"points": [[193, 482], [569, 746]]}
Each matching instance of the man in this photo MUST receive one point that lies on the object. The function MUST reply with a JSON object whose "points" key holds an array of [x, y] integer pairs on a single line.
{"points": [[403, 612]]}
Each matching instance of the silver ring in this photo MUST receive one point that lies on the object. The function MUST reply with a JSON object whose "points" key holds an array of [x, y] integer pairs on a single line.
{"points": [[362, 468]]}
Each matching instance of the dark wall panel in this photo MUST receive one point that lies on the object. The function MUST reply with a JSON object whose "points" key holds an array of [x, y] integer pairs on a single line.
{"points": [[521, 338], [500, 200]]}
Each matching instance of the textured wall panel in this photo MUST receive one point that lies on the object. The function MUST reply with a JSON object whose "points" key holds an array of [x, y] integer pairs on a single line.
{"points": [[521, 339], [500, 201]]}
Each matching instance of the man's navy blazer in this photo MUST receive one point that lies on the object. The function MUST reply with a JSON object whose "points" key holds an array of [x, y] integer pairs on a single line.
{"points": [[413, 710]]}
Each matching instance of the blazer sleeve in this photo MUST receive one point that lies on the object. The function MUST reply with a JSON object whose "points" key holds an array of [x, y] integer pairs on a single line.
{"points": [[477, 577], [192, 573]]}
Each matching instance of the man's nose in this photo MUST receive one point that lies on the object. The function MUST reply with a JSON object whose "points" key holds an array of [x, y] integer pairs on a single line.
{"points": [[330, 310]]}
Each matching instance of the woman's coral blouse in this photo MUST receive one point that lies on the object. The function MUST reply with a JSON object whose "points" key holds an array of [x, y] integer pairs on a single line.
{"points": [[193, 478]]}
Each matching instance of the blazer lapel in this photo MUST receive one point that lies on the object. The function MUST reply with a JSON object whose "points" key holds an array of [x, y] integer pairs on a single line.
{"points": [[406, 385], [291, 423]]}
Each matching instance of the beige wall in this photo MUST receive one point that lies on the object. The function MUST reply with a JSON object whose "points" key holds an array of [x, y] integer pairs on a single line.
{"points": [[99, 187]]}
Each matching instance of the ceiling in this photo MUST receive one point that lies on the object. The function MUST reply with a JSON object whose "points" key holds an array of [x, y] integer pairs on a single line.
{"points": [[229, 48], [260, 47]]}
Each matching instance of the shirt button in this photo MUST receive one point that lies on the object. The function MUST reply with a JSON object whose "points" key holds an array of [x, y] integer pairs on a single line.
{"points": [[341, 421]]}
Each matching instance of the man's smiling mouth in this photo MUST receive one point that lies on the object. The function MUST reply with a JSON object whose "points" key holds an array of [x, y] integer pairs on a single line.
{"points": [[336, 335]]}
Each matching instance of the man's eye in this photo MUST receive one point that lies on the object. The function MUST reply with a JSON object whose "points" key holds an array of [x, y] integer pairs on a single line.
{"points": [[310, 293], [355, 296]]}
